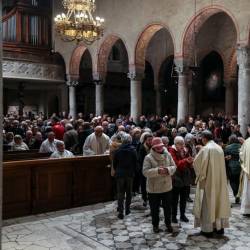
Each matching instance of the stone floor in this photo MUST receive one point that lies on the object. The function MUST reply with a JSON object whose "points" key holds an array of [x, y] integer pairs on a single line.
{"points": [[97, 227]]}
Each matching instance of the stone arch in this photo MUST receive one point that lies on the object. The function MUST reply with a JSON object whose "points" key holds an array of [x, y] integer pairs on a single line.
{"points": [[197, 21], [75, 61], [232, 65], [104, 52], [143, 42]]}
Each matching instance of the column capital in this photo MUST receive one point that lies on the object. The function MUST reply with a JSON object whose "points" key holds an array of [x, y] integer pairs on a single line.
{"points": [[243, 57], [132, 75], [180, 66], [72, 81], [98, 79]]}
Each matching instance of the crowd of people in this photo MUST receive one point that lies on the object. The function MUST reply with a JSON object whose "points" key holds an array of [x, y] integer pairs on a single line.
{"points": [[156, 157]]}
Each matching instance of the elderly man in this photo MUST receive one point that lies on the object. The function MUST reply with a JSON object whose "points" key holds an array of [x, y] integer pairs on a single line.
{"points": [[97, 143], [245, 165], [124, 164], [61, 152], [212, 206], [49, 145]]}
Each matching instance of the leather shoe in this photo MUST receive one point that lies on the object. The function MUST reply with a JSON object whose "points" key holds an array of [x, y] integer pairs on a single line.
{"points": [[184, 218], [174, 220], [169, 229], [156, 230], [220, 232], [127, 211], [208, 235], [120, 216]]}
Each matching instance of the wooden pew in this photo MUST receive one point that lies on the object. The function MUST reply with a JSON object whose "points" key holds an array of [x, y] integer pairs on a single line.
{"points": [[43, 185], [24, 155]]}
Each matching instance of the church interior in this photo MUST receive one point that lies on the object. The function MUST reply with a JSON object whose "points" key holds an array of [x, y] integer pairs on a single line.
{"points": [[92, 91]]}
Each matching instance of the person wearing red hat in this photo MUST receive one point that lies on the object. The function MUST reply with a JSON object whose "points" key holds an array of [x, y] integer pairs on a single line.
{"points": [[158, 167]]}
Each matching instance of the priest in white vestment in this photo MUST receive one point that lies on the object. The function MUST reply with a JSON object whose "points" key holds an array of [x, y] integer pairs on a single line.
{"points": [[245, 165], [212, 206], [97, 143]]}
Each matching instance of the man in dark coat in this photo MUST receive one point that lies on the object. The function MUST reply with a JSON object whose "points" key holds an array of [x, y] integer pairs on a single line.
{"points": [[124, 164]]}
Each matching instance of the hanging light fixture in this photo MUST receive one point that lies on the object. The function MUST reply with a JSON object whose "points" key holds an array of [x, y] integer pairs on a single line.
{"points": [[195, 68], [78, 23]]}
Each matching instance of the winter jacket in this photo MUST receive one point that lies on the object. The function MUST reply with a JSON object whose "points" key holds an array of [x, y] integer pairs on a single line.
{"points": [[157, 183], [182, 176], [233, 165], [124, 161]]}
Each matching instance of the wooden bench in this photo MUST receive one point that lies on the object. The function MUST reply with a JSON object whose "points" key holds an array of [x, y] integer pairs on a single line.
{"points": [[36, 186], [24, 155]]}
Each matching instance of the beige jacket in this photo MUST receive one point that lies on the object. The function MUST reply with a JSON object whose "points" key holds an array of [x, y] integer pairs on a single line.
{"points": [[157, 183]]}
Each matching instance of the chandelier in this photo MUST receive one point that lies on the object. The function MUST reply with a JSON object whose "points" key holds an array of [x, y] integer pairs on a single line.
{"points": [[78, 23]]}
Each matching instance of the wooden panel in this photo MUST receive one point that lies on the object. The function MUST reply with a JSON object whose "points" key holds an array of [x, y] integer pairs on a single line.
{"points": [[92, 181], [16, 192], [35, 186], [24, 155], [52, 187]]}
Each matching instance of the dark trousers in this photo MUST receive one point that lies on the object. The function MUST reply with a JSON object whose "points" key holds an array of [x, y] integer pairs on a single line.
{"points": [[136, 183], [124, 186], [143, 183], [155, 200], [181, 193], [234, 183]]}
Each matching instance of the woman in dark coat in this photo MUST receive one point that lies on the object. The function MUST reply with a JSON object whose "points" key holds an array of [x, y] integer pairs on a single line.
{"points": [[233, 164]]}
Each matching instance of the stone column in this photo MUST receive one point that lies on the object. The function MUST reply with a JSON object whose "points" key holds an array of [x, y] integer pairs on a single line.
{"points": [[158, 99], [243, 60], [99, 98], [182, 110], [229, 98], [135, 96], [1, 125], [72, 97], [191, 101], [20, 95]]}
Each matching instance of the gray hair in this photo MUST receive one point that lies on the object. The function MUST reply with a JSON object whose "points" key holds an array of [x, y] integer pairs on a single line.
{"points": [[188, 138], [126, 139], [68, 126], [165, 138], [59, 143], [178, 140]]}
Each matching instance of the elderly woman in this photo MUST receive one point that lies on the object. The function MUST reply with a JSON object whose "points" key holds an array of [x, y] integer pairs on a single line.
{"points": [[124, 164], [181, 179], [232, 157], [18, 144], [158, 167]]}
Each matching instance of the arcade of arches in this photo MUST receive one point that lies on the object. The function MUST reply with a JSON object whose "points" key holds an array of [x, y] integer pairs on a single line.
{"points": [[194, 66], [180, 58], [166, 57]]}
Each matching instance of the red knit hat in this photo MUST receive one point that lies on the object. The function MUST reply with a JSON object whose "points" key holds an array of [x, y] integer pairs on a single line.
{"points": [[157, 142]]}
